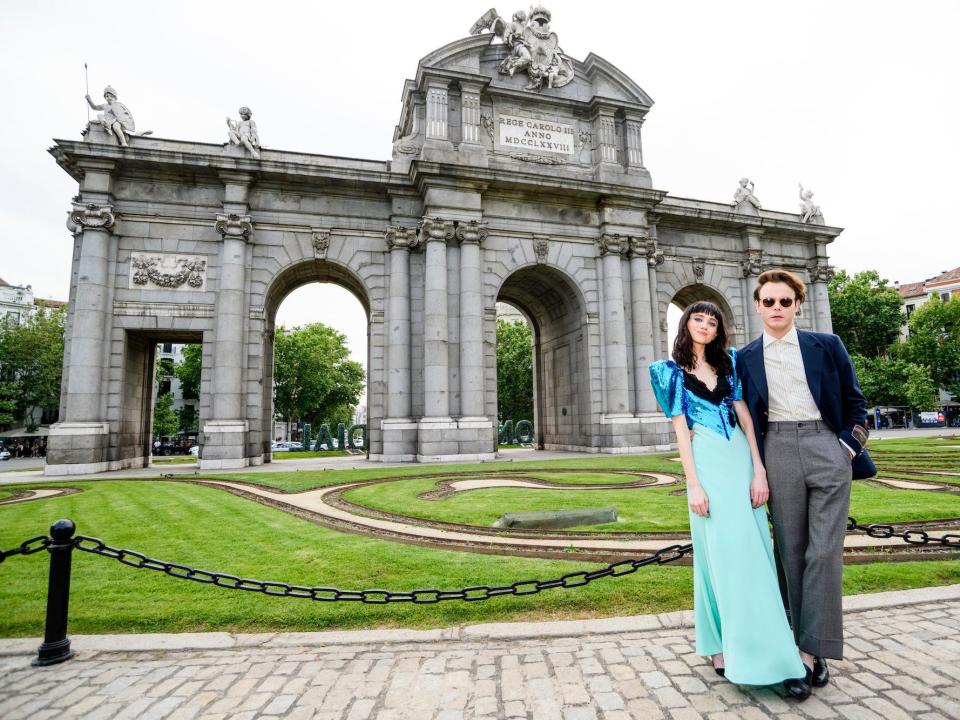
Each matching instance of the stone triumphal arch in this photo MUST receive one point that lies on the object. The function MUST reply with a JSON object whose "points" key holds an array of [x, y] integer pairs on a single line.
{"points": [[517, 174]]}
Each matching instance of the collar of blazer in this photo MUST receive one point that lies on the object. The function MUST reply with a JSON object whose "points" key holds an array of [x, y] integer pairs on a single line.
{"points": [[812, 351]]}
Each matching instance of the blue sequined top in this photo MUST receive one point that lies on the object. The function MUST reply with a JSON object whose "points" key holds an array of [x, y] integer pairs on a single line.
{"points": [[682, 393]]}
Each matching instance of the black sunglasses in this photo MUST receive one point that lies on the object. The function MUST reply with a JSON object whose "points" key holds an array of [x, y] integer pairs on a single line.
{"points": [[770, 302]]}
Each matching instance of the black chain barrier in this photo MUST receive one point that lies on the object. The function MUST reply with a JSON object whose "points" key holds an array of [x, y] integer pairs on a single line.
{"points": [[910, 535], [376, 596], [61, 543]]}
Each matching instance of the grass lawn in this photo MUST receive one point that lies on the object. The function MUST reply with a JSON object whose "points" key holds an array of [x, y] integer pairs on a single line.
{"points": [[214, 530], [300, 454], [173, 460], [299, 481], [640, 509]]}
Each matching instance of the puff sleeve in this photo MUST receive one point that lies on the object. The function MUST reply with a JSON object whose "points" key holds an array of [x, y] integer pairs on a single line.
{"points": [[735, 383], [667, 380]]}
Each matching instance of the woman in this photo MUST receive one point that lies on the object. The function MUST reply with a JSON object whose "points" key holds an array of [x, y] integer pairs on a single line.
{"points": [[740, 620]]}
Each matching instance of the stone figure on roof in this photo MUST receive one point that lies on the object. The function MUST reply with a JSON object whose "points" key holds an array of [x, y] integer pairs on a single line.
{"points": [[116, 118], [533, 46], [809, 213], [244, 132], [744, 200]]}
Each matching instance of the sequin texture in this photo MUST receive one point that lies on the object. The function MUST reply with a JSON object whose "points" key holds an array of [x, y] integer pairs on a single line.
{"points": [[675, 398]]}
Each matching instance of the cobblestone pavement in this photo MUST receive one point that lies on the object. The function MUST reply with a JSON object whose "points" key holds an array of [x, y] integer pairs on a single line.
{"points": [[902, 662]]}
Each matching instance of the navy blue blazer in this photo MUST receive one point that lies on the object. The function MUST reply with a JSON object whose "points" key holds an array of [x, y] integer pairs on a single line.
{"points": [[833, 385]]}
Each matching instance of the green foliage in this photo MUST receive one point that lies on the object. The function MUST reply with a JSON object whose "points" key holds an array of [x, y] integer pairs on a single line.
{"points": [[866, 314], [934, 342], [892, 381], [314, 379], [188, 371], [165, 420], [31, 361], [8, 404], [514, 370], [187, 419], [163, 372]]}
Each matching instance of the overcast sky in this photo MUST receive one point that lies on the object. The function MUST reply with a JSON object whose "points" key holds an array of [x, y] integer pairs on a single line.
{"points": [[856, 100]]}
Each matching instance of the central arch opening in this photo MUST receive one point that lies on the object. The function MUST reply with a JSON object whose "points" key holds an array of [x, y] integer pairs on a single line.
{"points": [[552, 304], [316, 353]]}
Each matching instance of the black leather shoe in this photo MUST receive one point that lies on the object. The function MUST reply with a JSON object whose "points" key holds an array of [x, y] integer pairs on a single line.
{"points": [[821, 674], [797, 688], [720, 671]]}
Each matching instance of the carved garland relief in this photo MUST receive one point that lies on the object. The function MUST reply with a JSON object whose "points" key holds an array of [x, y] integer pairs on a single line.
{"points": [[167, 271]]}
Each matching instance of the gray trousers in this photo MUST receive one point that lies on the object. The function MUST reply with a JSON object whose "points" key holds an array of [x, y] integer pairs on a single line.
{"points": [[809, 474]]}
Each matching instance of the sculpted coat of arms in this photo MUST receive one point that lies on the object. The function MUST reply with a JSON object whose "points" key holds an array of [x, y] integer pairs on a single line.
{"points": [[533, 46]]}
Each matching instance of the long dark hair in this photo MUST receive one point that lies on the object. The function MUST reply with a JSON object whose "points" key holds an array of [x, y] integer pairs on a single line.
{"points": [[715, 353]]}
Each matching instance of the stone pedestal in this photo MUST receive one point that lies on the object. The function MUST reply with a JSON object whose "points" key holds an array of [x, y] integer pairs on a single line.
{"points": [[221, 440]]}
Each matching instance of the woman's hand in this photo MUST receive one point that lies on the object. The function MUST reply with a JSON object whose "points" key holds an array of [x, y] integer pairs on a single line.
{"points": [[759, 490], [698, 501]]}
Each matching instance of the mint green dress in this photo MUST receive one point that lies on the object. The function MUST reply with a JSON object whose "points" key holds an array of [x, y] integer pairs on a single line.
{"points": [[737, 605]]}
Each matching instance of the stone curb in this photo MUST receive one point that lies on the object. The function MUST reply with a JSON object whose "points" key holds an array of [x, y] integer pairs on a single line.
{"points": [[173, 642]]}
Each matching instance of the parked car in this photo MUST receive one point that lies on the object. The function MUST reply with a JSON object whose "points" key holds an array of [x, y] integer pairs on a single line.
{"points": [[286, 446], [195, 451], [4, 454]]}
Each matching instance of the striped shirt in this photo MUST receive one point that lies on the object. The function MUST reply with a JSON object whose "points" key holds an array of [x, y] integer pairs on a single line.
{"points": [[790, 397]]}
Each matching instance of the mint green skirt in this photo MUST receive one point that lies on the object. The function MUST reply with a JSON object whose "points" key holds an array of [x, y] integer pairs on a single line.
{"points": [[736, 598]]}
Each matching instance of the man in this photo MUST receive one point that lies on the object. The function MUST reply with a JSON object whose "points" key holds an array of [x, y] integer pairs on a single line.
{"points": [[809, 416]]}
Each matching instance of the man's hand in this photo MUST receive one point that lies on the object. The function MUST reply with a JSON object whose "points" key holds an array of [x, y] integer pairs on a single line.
{"points": [[698, 501]]}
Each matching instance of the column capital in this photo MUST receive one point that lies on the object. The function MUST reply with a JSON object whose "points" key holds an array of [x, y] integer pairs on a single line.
{"points": [[613, 243], [752, 264], [434, 229], [91, 215], [236, 227], [399, 237], [471, 232], [637, 244], [820, 270]]}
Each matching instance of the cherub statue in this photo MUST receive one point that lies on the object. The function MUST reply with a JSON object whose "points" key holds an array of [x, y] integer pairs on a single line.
{"points": [[512, 35], [116, 118], [244, 132], [809, 213], [743, 198]]}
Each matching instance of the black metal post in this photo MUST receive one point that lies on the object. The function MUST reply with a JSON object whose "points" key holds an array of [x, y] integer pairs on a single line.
{"points": [[56, 645]]}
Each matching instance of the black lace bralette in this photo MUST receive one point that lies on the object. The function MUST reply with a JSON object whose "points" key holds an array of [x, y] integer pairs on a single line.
{"points": [[700, 389]]}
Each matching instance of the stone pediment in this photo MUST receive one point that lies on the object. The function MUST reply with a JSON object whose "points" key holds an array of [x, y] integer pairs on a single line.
{"points": [[464, 108], [477, 57]]}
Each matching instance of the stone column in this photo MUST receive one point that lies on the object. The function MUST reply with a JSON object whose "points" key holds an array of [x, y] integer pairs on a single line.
{"points": [[84, 375], [400, 241], [436, 233], [818, 300], [634, 144], [655, 258], [644, 352], [225, 433], [752, 266], [78, 443], [437, 107], [471, 235], [614, 328]]}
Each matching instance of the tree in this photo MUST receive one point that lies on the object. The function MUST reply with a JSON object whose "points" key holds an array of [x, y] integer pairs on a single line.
{"points": [[866, 314], [314, 379], [164, 372], [934, 342], [8, 405], [889, 381], [514, 370], [165, 420], [188, 370], [187, 420], [31, 361]]}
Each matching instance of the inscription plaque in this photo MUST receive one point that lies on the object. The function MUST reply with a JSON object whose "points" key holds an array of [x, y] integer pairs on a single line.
{"points": [[533, 134]]}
